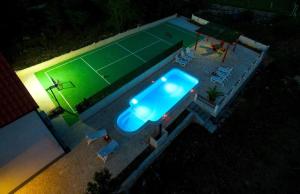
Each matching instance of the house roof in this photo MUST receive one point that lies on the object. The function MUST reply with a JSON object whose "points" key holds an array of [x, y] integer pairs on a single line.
{"points": [[15, 100]]}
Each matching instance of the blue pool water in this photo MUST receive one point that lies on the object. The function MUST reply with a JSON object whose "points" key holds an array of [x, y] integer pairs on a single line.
{"points": [[156, 100]]}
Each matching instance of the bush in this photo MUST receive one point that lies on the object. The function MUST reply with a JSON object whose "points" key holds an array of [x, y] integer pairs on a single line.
{"points": [[82, 106], [246, 16], [213, 93], [102, 183]]}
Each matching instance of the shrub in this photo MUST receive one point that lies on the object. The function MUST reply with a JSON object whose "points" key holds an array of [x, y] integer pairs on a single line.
{"points": [[213, 93], [102, 183]]}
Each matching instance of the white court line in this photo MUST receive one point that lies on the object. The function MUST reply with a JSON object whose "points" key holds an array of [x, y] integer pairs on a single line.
{"points": [[62, 65], [110, 44], [120, 59], [98, 49], [153, 43], [131, 52], [158, 37], [79, 57], [95, 71], [61, 94], [178, 28], [93, 51]]}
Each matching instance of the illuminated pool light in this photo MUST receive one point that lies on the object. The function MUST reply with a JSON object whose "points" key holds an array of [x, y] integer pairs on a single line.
{"points": [[170, 87], [134, 101], [153, 103], [142, 112], [164, 79]]}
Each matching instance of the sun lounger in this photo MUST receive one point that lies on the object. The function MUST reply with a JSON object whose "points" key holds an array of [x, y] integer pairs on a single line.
{"points": [[184, 56], [180, 61], [222, 74], [189, 52], [217, 79], [107, 150], [94, 135], [226, 70]]}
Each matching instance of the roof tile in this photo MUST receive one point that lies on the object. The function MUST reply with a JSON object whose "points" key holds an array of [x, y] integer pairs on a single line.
{"points": [[15, 100]]}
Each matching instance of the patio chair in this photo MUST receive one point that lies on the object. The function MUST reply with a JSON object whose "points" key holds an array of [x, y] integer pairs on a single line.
{"points": [[180, 61], [94, 135], [217, 79], [226, 70], [184, 56], [107, 150], [189, 52], [222, 74]]}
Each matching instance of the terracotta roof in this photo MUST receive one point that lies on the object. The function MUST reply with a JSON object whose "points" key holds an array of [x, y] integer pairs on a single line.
{"points": [[15, 100]]}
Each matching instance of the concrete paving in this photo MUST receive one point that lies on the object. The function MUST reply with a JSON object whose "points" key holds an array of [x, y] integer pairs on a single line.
{"points": [[26, 147]]}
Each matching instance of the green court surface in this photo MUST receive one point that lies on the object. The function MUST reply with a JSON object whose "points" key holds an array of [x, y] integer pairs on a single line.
{"points": [[85, 75]]}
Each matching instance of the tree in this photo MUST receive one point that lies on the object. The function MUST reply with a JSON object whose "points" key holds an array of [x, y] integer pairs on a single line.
{"points": [[102, 183], [213, 93], [122, 14]]}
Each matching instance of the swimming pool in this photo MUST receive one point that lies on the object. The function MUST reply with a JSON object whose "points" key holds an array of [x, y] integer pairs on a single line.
{"points": [[156, 100]]}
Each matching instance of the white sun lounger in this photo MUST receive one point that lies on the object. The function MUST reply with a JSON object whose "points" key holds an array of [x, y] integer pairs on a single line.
{"points": [[226, 70], [184, 56], [94, 135], [222, 74], [180, 61], [189, 52], [217, 79], [107, 150]]}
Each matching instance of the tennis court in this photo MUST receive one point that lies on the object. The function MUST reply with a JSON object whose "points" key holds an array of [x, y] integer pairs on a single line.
{"points": [[85, 75]]}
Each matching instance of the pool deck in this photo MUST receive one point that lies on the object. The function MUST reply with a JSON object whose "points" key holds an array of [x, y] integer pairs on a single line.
{"points": [[201, 67], [131, 145], [241, 60], [71, 173]]}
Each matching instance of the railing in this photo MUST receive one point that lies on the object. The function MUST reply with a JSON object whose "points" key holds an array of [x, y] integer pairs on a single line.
{"points": [[214, 109], [239, 82], [177, 121], [205, 101]]}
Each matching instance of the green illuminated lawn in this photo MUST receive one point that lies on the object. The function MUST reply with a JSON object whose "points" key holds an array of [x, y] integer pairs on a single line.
{"points": [[85, 75]]}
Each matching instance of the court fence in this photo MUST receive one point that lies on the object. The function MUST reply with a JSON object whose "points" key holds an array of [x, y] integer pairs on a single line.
{"points": [[90, 101]]}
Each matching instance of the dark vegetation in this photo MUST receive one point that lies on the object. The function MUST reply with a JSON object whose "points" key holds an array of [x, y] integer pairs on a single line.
{"points": [[278, 6], [37, 30], [102, 183], [257, 149]]}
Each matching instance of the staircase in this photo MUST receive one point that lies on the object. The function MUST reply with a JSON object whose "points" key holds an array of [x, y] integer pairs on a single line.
{"points": [[202, 117]]}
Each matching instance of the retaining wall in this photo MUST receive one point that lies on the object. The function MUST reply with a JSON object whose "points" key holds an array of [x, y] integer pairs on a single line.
{"points": [[127, 184]]}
